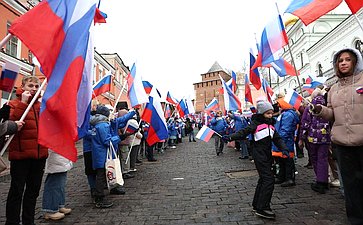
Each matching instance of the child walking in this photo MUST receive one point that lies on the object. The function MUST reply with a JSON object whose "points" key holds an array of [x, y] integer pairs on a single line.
{"points": [[264, 134]]}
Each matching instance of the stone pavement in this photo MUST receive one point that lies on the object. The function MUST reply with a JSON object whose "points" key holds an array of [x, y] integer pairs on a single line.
{"points": [[189, 185]]}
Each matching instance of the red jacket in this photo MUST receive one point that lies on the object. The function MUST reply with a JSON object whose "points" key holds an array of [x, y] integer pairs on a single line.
{"points": [[25, 142]]}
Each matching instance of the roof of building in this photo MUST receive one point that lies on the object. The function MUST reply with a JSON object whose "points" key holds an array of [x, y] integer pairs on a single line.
{"points": [[215, 68]]}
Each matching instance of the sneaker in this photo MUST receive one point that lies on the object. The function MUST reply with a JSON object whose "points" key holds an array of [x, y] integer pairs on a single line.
{"points": [[65, 211], [54, 216], [152, 160], [318, 188], [138, 161], [268, 214], [335, 183], [288, 183], [132, 170], [118, 191], [194, 141]]}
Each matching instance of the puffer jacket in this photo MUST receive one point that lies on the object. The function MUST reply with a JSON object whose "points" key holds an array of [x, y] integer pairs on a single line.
{"points": [[314, 129], [286, 125], [25, 142], [219, 125], [345, 107]]}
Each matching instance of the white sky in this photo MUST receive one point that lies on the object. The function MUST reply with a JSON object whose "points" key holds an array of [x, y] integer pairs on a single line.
{"points": [[173, 41]]}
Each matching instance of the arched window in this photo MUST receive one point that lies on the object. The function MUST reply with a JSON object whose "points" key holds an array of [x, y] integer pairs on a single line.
{"points": [[320, 70]]}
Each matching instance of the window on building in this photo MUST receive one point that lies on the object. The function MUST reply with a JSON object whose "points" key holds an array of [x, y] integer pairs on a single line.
{"points": [[207, 84], [302, 59], [359, 46], [12, 45], [320, 70], [216, 82]]}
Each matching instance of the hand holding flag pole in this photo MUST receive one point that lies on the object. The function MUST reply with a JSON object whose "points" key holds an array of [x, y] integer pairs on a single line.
{"points": [[35, 98], [119, 96]]}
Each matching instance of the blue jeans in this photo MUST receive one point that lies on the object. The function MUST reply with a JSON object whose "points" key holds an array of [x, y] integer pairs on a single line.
{"points": [[54, 192]]}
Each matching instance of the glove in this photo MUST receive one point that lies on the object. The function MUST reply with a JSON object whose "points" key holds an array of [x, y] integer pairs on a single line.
{"points": [[316, 109], [285, 154], [226, 138]]}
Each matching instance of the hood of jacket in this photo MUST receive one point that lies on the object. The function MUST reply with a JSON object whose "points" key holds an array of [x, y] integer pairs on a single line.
{"points": [[98, 118], [358, 68]]}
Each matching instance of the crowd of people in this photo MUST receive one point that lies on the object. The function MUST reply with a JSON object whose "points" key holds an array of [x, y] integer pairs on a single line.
{"points": [[328, 127]]}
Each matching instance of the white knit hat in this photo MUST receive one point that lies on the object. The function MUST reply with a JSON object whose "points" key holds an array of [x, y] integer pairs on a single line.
{"points": [[263, 106]]}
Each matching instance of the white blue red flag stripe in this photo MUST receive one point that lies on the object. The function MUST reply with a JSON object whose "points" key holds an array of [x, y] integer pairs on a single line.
{"points": [[273, 39], [167, 112], [213, 105], [293, 98], [267, 89], [312, 83], [248, 93], [8, 76], [254, 74], [58, 34], [171, 99], [283, 68], [102, 86], [231, 101], [147, 86], [136, 91], [153, 114], [182, 108], [205, 133], [310, 10], [189, 105]]}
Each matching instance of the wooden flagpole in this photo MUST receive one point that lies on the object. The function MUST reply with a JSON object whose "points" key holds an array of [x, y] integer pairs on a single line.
{"points": [[35, 98], [119, 96]]}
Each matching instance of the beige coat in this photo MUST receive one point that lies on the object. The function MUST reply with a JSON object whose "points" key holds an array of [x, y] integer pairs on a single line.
{"points": [[345, 108]]}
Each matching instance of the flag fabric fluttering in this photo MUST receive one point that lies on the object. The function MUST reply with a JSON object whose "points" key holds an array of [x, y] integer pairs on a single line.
{"points": [[102, 86], [283, 68], [354, 5], [267, 89], [313, 82], [100, 17], [205, 133], [62, 43], [234, 82], [213, 105], [293, 98], [136, 91], [170, 99], [248, 93], [273, 39], [254, 74], [182, 108], [310, 10], [231, 101], [8, 76], [189, 105], [147, 86], [167, 112], [154, 116]]}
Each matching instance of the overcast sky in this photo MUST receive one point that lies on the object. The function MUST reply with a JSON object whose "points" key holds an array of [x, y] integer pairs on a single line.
{"points": [[173, 42]]}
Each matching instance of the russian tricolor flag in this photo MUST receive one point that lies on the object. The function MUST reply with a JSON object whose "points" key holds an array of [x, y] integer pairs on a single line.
{"points": [[131, 127], [170, 99], [102, 86], [283, 68], [310, 10], [167, 112], [153, 114], [231, 101], [273, 39], [267, 89], [254, 74], [147, 86], [182, 108], [136, 91], [213, 105], [312, 83], [205, 133], [248, 93], [8, 76], [294, 99], [59, 34]]}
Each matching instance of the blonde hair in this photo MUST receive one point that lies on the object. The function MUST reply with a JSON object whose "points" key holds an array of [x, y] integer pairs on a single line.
{"points": [[29, 79]]}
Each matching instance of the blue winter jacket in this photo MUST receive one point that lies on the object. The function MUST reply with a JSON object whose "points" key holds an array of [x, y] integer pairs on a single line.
{"points": [[219, 125], [286, 125]]}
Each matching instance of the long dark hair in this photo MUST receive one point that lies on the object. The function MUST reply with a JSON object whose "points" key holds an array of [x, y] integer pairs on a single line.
{"points": [[353, 56]]}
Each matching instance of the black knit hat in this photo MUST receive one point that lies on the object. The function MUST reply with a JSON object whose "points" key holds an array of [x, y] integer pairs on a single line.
{"points": [[103, 110]]}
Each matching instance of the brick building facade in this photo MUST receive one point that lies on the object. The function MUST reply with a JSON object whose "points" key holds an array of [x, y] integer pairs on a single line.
{"points": [[209, 87]]}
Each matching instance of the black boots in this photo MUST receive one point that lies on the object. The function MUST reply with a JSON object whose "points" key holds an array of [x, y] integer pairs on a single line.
{"points": [[320, 187]]}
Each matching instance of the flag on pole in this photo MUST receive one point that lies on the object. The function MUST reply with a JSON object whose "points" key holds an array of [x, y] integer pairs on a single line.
{"points": [[167, 112], [154, 116], [293, 98], [190, 105], [267, 89], [136, 91], [254, 74], [213, 105], [310, 10], [273, 39], [283, 68], [231, 101], [102, 86], [62, 42], [170, 99], [147, 86], [205, 133], [313, 82], [8, 76], [182, 108], [248, 93], [234, 82]]}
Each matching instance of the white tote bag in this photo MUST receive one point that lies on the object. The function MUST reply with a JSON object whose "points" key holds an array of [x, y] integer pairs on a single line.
{"points": [[113, 168]]}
